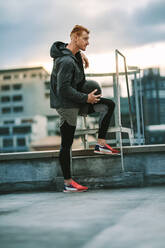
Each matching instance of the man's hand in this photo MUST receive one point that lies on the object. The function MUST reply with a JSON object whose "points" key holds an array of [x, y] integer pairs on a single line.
{"points": [[85, 60], [92, 98]]}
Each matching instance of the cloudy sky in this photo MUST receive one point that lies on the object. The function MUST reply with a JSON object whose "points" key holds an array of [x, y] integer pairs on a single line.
{"points": [[136, 28]]}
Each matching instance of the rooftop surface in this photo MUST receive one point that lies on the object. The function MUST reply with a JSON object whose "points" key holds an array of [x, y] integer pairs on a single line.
{"points": [[118, 218]]}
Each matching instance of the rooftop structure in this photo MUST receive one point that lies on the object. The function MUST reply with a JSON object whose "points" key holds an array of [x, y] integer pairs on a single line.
{"points": [[24, 95], [153, 95]]}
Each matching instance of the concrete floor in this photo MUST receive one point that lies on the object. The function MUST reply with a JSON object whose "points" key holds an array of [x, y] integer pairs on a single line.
{"points": [[119, 218]]}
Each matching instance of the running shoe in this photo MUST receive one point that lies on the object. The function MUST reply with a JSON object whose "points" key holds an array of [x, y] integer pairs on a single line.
{"points": [[106, 150], [74, 187], [78, 186]]}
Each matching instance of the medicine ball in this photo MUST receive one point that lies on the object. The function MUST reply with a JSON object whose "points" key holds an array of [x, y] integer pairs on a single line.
{"points": [[91, 85]]}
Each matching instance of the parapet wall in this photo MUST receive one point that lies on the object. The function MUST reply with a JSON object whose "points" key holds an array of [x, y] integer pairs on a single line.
{"points": [[144, 166]]}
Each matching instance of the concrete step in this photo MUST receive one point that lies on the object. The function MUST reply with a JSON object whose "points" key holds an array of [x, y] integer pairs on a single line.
{"points": [[41, 170]]}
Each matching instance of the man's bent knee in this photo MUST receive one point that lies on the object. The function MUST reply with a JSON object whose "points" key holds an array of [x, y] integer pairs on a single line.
{"points": [[111, 104]]}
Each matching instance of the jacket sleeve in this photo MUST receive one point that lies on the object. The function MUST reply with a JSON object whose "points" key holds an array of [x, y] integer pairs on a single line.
{"points": [[65, 72]]}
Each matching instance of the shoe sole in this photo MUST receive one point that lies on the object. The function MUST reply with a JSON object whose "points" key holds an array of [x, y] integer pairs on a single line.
{"points": [[74, 191], [108, 153]]}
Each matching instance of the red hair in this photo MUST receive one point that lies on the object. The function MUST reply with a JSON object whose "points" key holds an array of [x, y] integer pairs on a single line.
{"points": [[78, 29]]}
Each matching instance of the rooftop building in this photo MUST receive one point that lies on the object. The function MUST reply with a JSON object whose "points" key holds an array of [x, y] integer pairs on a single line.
{"points": [[153, 95], [24, 92], [24, 95]]}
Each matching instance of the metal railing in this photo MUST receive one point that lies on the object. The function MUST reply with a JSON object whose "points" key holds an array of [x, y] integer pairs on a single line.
{"points": [[118, 129]]}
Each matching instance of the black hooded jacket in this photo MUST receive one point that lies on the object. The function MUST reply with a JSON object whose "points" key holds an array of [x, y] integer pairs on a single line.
{"points": [[67, 78]]}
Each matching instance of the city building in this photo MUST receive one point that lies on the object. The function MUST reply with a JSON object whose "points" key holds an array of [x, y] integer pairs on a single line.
{"points": [[24, 95], [153, 96], [17, 135]]}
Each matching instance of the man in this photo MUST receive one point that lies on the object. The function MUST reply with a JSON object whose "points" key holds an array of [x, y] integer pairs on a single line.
{"points": [[67, 97]]}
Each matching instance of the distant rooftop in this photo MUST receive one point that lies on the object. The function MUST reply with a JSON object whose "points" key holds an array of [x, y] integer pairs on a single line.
{"points": [[23, 69]]}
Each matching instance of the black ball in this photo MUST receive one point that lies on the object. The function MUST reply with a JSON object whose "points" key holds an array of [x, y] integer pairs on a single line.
{"points": [[91, 85]]}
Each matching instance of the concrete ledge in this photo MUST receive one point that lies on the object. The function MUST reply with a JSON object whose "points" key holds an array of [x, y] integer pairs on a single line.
{"points": [[144, 148], [28, 155], [144, 165], [78, 152]]}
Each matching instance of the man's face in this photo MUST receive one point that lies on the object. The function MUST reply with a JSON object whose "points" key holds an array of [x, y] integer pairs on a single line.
{"points": [[82, 41]]}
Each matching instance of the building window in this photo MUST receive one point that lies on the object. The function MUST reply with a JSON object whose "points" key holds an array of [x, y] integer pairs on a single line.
{"points": [[7, 142], [24, 75], [5, 99], [148, 86], [162, 93], [6, 110], [4, 131], [33, 75], [17, 86], [7, 77], [21, 142], [154, 94], [162, 84], [47, 95], [47, 85], [8, 122], [5, 87], [16, 76], [149, 94], [51, 133], [18, 109], [17, 98], [21, 130], [27, 121]]}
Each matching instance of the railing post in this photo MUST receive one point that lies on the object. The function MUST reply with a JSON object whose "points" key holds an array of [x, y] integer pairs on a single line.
{"points": [[119, 112], [137, 110], [86, 135], [117, 109], [141, 107], [126, 77]]}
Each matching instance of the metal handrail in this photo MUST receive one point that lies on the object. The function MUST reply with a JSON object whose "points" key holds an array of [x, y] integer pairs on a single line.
{"points": [[134, 70], [111, 73], [141, 105], [126, 77]]}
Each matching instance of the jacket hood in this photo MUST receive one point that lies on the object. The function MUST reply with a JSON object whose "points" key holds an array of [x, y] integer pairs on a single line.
{"points": [[58, 49]]}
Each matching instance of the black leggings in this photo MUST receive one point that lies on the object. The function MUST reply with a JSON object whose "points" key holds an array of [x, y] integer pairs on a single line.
{"points": [[106, 109]]}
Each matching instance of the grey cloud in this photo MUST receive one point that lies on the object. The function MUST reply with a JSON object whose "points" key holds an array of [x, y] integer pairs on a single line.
{"points": [[153, 14], [28, 28], [149, 24], [117, 28]]}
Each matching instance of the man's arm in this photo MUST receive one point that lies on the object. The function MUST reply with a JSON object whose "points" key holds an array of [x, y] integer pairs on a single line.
{"points": [[85, 60], [65, 72]]}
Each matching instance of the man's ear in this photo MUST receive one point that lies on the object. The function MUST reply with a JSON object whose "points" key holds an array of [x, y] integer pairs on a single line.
{"points": [[74, 37]]}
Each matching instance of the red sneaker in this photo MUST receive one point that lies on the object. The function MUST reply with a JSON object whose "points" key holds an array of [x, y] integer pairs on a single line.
{"points": [[78, 186], [107, 149], [114, 151]]}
